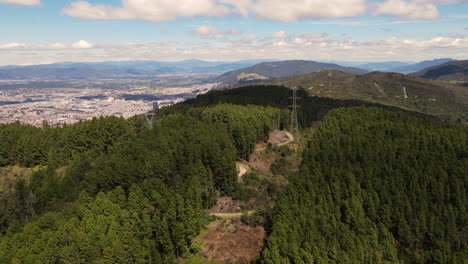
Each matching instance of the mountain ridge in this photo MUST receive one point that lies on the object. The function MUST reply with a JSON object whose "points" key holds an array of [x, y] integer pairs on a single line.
{"points": [[419, 66], [426, 96], [279, 69], [456, 71]]}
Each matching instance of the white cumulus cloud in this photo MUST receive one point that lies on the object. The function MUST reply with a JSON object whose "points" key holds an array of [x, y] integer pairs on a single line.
{"points": [[12, 45], [279, 34], [248, 39], [209, 32], [167, 10], [418, 9], [82, 44], [296, 10], [21, 2], [149, 10], [58, 46]]}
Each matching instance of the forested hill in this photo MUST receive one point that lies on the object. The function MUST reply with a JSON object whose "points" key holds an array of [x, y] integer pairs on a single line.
{"points": [[111, 191], [375, 187], [312, 108], [430, 97], [377, 184], [455, 71]]}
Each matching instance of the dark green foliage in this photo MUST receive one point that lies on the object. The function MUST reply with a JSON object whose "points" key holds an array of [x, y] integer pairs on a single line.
{"points": [[313, 108], [29, 146], [127, 197], [375, 187]]}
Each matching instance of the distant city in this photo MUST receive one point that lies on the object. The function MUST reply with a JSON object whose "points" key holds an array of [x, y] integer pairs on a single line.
{"points": [[59, 106]]}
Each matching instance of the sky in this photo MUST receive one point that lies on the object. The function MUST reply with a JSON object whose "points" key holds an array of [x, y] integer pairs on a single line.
{"points": [[50, 31]]}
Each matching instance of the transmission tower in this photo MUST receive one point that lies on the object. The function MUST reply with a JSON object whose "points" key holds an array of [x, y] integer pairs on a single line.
{"points": [[149, 118], [294, 126], [150, 115]]}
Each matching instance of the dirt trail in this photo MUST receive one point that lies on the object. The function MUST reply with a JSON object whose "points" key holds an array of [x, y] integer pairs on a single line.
{"points": [[231, 215]]}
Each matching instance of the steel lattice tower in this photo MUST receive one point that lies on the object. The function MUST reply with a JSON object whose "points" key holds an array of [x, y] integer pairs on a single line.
{"points": [[149, 118], [294, 126]]}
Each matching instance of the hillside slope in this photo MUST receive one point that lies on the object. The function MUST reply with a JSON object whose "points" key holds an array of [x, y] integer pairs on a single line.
{"points": [[456, 71], [412, 93], [280, 69], [375, 187]]}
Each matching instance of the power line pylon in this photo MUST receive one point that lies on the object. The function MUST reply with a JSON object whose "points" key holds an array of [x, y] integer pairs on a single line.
{"points": [[149, 118], [294, 126], [151, 115]]}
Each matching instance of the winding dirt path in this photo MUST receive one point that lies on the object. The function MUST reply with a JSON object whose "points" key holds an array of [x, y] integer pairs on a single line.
{"points": [[231, 215]]}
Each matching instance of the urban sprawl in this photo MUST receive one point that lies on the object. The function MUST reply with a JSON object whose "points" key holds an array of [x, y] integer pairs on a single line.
{"points": [[69, 105]]}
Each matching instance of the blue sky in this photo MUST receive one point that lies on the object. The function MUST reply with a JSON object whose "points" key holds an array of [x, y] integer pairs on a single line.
{"points": [[48, 31]]}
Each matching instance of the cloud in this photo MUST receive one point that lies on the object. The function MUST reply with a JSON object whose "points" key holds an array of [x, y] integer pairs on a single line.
{"points": [[234, 32], [157, 11], [294, 46], [417, 9], [208, 32], [249, 39], [58, 46], [211, 32], [21, 2], [297, 10], [82, 44], [167, 10], [442, 1], [12, 45], [149, 10], [279, 34]]}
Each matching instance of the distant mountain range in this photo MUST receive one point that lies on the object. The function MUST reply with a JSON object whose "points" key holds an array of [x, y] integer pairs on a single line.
{"points": [[382, 66], [280, 69], [71, 70], [454, 71], [417, 66], [393, 66], [234, 72]]}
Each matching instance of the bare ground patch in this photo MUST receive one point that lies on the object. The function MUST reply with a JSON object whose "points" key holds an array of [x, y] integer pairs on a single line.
{"points": [[229, 241], [280, 138], [242, 169]]}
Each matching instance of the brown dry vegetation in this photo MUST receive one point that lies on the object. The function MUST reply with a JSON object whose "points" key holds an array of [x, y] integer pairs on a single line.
{"points": [[230, 241], [226, 204]]}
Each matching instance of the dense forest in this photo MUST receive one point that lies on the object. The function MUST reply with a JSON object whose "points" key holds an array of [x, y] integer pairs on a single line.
{"points": [[376, 184], [110, 191], [375, 187]]}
